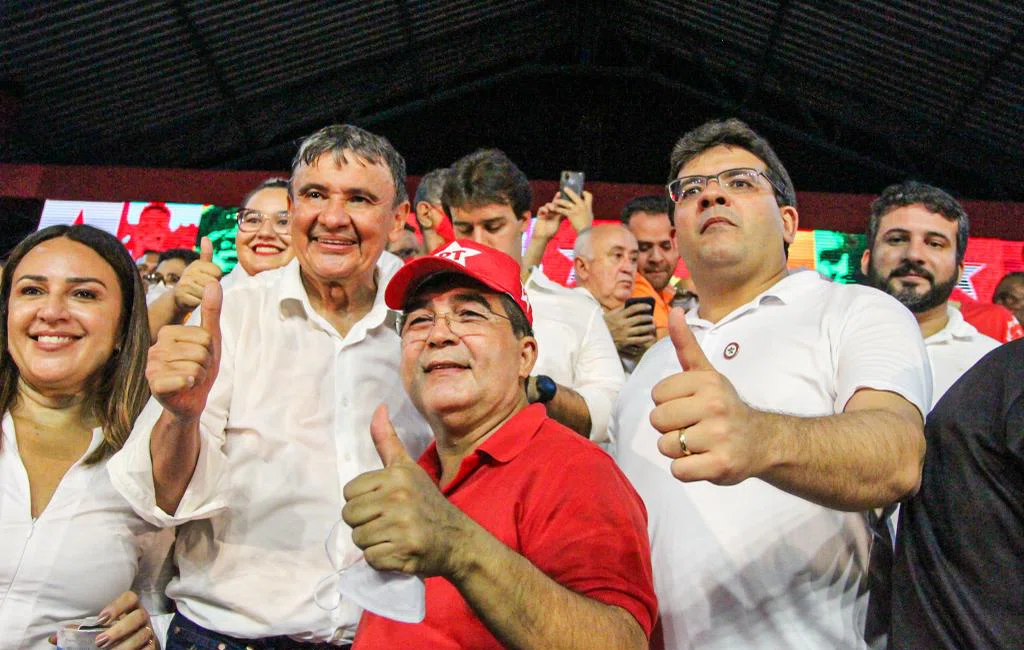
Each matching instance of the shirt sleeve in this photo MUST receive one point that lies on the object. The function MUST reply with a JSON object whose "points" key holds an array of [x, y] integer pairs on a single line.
{"points": [[599, 376], [592, 539], [877, 345], [131, 468]]}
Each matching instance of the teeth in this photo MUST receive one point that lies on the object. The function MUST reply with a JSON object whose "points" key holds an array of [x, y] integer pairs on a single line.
{"points": [[55, 339]]}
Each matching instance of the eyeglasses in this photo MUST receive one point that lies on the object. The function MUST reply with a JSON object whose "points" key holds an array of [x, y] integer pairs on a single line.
{"points": [[742, 180], [416, 326], [168, 279], [252, 220]]}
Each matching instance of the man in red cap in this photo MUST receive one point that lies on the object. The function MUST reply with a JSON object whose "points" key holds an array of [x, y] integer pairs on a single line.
{"points": [[527, 534]]}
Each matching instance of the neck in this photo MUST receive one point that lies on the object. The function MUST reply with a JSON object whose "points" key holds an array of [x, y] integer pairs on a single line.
{"points": [[342, 304], [457, 439], [53, 411], [932, 320], [721, 294]]}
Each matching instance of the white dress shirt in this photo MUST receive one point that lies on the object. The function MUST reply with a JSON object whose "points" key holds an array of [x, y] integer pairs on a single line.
{"points": [[286, 426], [752, 566], [953, 350], [86, 548], [575, 348]]}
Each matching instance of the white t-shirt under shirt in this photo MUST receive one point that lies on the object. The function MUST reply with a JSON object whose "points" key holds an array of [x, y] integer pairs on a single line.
{"points": [[86, 548], [751, 566], [286, 426], [575, 348]]}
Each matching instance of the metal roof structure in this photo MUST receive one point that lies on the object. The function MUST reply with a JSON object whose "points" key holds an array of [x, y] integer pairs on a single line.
{"points": [[853, 94]]}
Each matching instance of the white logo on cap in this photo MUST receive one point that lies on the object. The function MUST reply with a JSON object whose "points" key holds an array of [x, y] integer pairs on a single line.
{"points": [[456, 253]]}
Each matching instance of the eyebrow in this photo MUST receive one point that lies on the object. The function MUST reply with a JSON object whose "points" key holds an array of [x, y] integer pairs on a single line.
{"points": [[928, 233], [361, 191], [419, 302], [72, 280]]}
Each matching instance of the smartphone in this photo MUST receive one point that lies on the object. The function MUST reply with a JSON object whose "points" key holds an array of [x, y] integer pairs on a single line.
{"points": [[645, 300], [572, 180]]}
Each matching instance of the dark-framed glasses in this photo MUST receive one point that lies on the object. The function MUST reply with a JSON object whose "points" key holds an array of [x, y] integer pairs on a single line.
{"points": [[467, 320], [252, 220], [742, 180]]}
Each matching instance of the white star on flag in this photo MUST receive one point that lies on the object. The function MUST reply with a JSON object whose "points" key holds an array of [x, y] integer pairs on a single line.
{"points": [[569, 254], [965, 284], [456, 253]]}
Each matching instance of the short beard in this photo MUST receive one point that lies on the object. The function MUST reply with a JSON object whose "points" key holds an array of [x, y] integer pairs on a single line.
{"points": [[916, 302]]}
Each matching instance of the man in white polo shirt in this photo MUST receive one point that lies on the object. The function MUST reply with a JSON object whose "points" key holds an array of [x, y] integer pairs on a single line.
{"points": [[917, 238], [762, 434], [262, 415]]}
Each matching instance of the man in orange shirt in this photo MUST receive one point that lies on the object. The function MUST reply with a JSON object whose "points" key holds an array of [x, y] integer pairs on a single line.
{"points": [[649, 219]]}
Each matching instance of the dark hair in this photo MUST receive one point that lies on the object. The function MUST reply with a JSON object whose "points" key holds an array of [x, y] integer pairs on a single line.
{"points": [[733, 132], [431, 186], [932, 198], [650, 204], [186, 255], [486, 177], [275, 183], [1005, 285], [120, 391], [338, 139]]}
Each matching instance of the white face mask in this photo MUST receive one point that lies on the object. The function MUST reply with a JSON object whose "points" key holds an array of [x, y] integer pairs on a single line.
{"points": [[390, 594]]}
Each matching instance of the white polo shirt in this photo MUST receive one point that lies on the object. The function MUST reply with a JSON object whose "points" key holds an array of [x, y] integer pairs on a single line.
{"points": [[286, 426], [752, 566], [575, 348], [953, 350]]}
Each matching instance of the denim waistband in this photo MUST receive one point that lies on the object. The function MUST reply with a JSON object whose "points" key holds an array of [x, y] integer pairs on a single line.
{"points": [[188, 635]]}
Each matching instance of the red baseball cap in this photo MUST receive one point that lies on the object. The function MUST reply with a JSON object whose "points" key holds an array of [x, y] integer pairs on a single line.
{"points": [[487, 265]]}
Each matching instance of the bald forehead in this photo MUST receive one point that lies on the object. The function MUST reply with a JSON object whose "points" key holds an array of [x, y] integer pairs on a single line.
{"points": [[612, 234]]}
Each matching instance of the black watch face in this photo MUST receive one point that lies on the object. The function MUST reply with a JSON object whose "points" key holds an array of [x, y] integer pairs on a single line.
{"points": [[546, 388]]}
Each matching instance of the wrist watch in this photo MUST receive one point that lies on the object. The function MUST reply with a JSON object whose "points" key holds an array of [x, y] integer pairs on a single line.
{"points": [[546, 388]]}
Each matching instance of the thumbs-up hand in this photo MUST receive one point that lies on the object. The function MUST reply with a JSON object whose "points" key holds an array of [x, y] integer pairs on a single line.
{"points": [[398, 516], [184, 361], [711, 434], [188, 293]]}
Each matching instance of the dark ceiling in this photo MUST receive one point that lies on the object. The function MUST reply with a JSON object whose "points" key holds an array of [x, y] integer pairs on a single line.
{"points": [[854, 95]]}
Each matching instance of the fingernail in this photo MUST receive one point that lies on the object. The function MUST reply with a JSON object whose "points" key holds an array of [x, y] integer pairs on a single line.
{"points": [[103, 618], [102, 640]]}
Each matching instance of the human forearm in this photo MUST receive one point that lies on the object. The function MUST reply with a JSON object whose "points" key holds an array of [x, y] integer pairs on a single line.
{"points": [[174, 449], [524, 608], [855, 461], [569, 408], [534, 254]]}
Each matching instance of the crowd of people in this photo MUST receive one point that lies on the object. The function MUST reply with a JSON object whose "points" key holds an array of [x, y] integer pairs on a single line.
{"points": [[752, 457]]}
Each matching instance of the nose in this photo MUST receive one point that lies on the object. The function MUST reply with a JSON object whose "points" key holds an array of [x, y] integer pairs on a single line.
{"points": [[441, 335], [335, 214], [713, 195], [55, 308], [266, 230], [916, 249]]}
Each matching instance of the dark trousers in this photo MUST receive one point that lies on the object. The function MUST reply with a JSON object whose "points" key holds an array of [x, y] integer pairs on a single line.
{"points": [[186, 635]]}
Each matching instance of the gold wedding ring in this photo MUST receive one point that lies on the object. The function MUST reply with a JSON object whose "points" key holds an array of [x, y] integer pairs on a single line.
{"points": [[682, 443]]}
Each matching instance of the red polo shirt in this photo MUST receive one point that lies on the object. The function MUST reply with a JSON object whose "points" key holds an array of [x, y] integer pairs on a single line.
{"points": [[553, 497]]}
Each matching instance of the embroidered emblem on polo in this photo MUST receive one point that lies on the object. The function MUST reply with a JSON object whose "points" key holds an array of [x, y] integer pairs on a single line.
{"points": [[456, 253], [731, 350]]}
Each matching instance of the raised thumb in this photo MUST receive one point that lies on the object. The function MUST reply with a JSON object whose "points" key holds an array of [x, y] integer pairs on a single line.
{"points": [[386, 440], [209, 312], [688, 351], [205, 249]]}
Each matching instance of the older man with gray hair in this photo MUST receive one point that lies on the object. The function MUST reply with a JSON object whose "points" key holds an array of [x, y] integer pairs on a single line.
{"points": [[260, 415]]}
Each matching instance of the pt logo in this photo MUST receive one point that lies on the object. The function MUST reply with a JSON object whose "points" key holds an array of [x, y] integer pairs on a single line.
{"points": [[731, 350], [456, 253]]}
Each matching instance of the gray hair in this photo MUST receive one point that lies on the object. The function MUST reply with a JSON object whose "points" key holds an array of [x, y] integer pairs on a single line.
{"points": [[431, 186], [340, 139], [583, 249], [733, 132], [932, 198]]}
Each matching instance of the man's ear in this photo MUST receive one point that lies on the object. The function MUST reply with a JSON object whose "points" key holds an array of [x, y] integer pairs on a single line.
{"points": [[790, 222], [527, 356], [399, 216], [865, 261], [582, 269], [524, 221]]}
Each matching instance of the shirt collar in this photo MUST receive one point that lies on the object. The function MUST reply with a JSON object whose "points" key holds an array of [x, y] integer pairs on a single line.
{"points": [[539, 281], [793, 284], [499, 448], [955, 328], [294, 301]]}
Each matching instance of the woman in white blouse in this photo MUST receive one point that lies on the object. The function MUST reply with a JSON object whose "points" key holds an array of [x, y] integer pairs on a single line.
{"points": [[73, 342]]}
